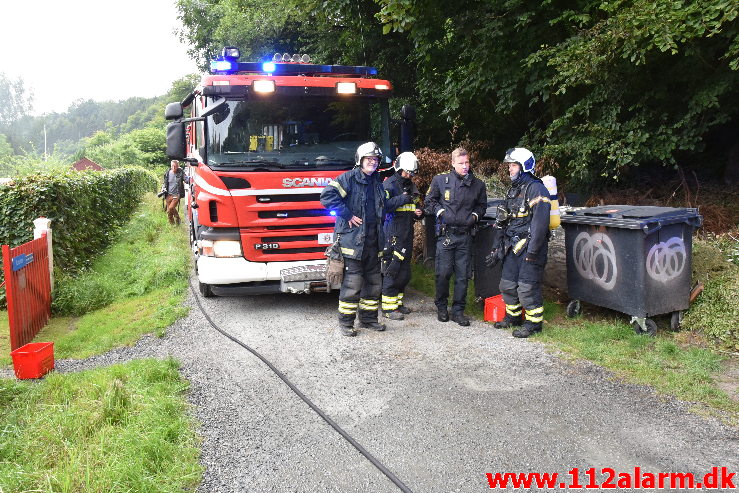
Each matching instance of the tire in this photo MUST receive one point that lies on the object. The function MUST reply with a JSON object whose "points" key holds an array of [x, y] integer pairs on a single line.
{"points": [[573, 308], [676, 318], [205, 290], [651, 326]]}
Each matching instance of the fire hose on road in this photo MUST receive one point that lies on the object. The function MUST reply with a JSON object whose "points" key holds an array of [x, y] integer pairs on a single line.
{"points": [[392, 477]]}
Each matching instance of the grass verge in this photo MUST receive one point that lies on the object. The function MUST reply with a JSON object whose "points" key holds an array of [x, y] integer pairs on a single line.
{"points": [[665, 362], [116, 429], [136, 287]]}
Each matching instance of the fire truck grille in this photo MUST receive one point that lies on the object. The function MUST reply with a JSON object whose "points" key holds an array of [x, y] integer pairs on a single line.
{"points": [[288, 251], [285, 239], [298, 213], [300, 197], [302, 226]]}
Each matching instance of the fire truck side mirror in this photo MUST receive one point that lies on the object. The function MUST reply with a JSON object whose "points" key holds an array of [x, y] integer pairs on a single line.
{"points": [[408, 112], [173, 111], [176, 144]]}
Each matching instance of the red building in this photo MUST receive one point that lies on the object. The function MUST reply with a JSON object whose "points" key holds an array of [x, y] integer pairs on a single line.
{"points": [[85, 163]]}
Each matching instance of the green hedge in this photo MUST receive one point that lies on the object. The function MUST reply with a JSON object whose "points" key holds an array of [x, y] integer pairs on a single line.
{"points": [[85, 207]]}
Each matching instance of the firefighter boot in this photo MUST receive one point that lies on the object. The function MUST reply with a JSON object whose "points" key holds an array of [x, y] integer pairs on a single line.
{"points": [[442, 314], [529, 328], [372, 325], [461, 319], [393, 315], [508, 321], [347, 330], [404, 310]]}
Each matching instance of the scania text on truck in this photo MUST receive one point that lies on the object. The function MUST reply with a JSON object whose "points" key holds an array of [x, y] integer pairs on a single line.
{"points": [[263, 139]]}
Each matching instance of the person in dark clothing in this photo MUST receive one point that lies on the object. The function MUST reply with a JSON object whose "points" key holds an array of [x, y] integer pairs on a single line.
{"points": [[358, 200], [525, 238], [173, 189], [403, 207], [458, 200]]}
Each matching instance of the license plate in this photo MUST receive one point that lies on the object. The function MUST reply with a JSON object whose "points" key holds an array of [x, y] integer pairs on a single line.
{"points": [[325, 238]]}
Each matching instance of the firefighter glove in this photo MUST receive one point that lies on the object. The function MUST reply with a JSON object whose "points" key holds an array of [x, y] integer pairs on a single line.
{"points": [[492, 258]]}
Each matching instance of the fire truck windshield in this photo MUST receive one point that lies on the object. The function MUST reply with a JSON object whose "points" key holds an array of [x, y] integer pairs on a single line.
{"points": [[306, 132]]}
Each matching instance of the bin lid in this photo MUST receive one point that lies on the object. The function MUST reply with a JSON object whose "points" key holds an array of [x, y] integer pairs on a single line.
{"points": [[492, 209], [647, 218]]}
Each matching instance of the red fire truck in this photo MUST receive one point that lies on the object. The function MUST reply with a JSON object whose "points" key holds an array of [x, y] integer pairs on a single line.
{"points": [[263, 139]]}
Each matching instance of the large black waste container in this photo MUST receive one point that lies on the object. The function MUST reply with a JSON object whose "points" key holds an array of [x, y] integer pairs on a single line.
{"points": [[487, 279], [633, 259]]}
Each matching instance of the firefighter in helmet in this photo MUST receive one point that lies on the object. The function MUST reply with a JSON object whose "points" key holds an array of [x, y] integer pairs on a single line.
{"points": [[403, 207], [524, 247], [358, 200]]}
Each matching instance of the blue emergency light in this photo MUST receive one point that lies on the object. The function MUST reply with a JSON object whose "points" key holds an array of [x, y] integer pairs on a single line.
{"points": [[268, 67], [222, 65], [333, 213]]}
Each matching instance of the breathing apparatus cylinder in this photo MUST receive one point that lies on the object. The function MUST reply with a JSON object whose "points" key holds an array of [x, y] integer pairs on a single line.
{"points": [[551, 183]]}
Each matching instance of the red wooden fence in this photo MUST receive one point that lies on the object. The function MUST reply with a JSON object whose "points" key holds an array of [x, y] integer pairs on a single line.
{"points": [[27, 289]]}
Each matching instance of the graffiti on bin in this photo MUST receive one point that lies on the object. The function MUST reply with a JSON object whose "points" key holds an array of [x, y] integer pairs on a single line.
{"points": [[666, 260], [595, 259]]}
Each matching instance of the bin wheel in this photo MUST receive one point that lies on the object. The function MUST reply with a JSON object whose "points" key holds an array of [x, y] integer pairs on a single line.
{"points": [[205, 290], [676, 319], [573, 308], [651, 326]]}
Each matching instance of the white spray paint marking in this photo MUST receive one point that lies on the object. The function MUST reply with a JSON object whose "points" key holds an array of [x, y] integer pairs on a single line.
{"points": [[666, 260], [595, 259]]}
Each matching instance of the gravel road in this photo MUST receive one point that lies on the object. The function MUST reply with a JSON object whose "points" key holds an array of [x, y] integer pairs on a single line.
{"points": [[438, 404]]}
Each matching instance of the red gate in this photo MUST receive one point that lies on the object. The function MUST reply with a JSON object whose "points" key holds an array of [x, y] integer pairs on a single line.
{"points": [[28, 289]]}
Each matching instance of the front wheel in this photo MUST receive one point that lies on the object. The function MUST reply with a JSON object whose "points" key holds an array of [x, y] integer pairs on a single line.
{"points": [[676, 319], [205, 290], [573, 308], [650, 326]]}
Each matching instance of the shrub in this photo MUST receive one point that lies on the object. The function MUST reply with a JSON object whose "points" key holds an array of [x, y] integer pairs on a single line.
{"points": [[86, 208]]}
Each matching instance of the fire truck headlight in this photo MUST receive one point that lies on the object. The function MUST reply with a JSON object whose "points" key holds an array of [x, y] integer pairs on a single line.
{"points": [[346, 88], [264, 86], [226, 248], [220, 248]]}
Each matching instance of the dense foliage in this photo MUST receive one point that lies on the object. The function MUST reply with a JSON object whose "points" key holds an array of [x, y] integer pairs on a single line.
{"points": [[596, 87], [86, 209]]}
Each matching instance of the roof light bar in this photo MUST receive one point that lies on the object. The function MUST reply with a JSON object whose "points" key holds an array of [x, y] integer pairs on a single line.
{"points": [[222, 65]]}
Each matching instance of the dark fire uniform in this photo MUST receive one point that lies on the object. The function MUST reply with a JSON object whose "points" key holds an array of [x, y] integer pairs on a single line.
{"points": [[525, 242], [355, 194], [457, 202], [401, 201]]}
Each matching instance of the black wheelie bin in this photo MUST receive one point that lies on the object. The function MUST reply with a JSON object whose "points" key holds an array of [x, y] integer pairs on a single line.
{"points": [[487, 279], [632, 259]]}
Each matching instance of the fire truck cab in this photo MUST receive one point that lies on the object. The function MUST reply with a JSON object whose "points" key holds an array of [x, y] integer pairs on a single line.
{"points": [[263, 139]]}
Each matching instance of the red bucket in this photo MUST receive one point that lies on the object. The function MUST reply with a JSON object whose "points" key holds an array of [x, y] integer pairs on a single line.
{"points": [[494, 309], [33, 360]]}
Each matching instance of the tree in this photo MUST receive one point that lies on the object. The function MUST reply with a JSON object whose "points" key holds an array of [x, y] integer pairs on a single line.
{"points": [[15, 100]]}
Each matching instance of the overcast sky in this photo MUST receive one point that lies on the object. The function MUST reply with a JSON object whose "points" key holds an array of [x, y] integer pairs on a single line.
{"points": [[91, 49]]}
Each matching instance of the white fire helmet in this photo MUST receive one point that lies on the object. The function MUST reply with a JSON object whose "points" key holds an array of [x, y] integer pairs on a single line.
{"points": [[522, 156], [407, 161], [368, 149]]}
